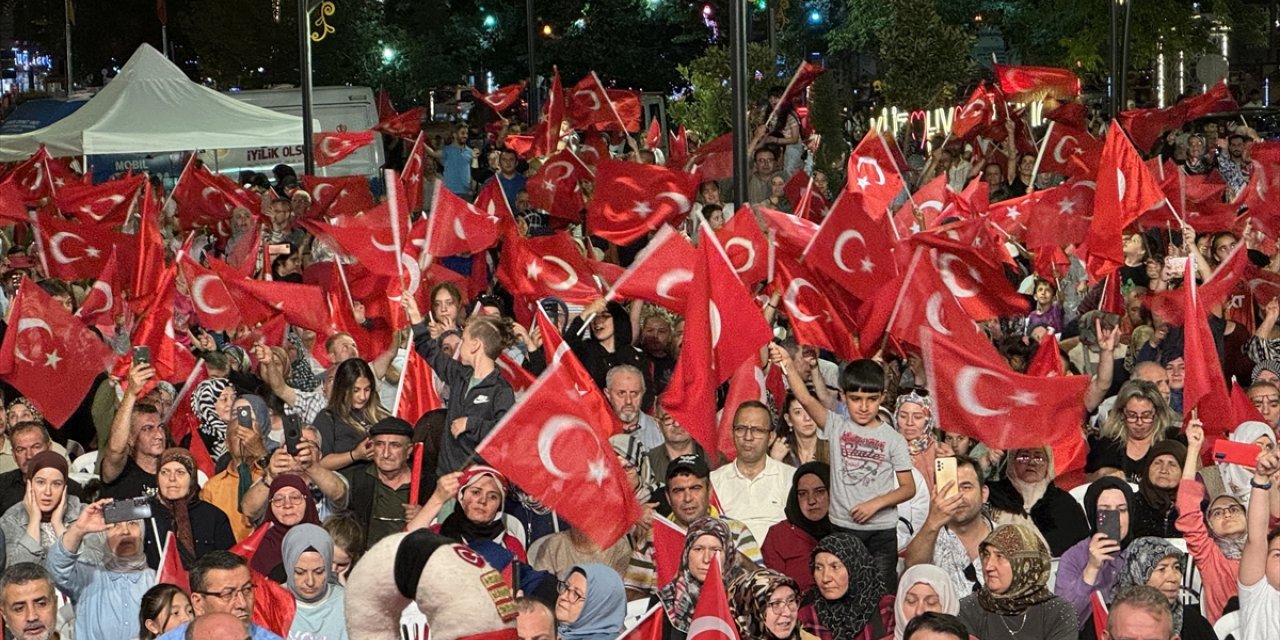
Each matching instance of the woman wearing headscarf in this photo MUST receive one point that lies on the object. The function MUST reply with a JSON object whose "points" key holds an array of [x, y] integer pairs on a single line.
{"points": [[1154, 508], [291, 505], [1155, 562], [1015, 601], [23, 410], [1215, 536], [478, 513], [34, 524], [848, 600], [706, 538], [198, 527], [308, 552], [211, 403], [765, 604], [923, 587], [788, 547], [592, 604], [913, 416], [1093, 564], [1028, 490], [1235, 478], [107, 590]]}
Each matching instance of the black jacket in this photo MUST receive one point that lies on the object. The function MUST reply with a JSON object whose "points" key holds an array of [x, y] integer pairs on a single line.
{"points": [[1057, 515], [209, 527], [483, 405]]}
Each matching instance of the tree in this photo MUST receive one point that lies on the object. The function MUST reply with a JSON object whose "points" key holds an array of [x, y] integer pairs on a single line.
{"points": [[926, 60], [825, 111], [707, 109]]}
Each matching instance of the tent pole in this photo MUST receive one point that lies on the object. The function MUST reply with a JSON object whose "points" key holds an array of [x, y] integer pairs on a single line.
{"points": [[304, 66]]}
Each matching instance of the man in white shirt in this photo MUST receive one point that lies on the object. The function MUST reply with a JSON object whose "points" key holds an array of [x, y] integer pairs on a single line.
{"points": [[754, 487]]}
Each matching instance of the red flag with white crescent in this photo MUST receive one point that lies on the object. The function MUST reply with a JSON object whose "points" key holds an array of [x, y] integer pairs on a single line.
{"points": [[661, 273], [631, 200], [331, 147], [712, 616], [854, 249], [502, 98], [109, 201]]}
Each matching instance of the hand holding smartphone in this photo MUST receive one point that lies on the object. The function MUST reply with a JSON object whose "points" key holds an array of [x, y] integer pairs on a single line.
{"points": [[1244, 454], [944, 471]]}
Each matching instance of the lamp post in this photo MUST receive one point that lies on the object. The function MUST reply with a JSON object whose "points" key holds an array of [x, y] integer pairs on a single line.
{"points": [[533, 72], [304, 69], [738, 89]]}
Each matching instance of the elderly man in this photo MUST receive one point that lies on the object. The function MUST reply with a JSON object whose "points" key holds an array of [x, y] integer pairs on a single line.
{"points": [[624, 386], [28, 602], [218, 626], [535, 621], [1140, 613], [107, 592], [380, 491], [221, 583], [137, 439]]}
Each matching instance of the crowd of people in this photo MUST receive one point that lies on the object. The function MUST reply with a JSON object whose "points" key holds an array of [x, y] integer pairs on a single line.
{"points": [[825, 512]]}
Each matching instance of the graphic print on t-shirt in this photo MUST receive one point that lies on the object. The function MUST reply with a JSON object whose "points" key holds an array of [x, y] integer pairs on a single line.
{"points": [[861, 459]]}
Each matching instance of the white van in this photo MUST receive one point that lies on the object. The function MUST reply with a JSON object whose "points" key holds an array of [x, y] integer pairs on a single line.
{"points": [[336, 109]]}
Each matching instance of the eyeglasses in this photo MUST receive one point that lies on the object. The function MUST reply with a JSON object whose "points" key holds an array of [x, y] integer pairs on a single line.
{"points": [[229, 593], [744, 430], [1222, 512], [790, 604], [280, 501], [574, 596], [1146, 416], [1031, 458]]}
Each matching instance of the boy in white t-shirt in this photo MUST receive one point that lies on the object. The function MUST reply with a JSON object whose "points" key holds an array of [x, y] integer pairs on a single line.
{"points": [[1260, 561], [870, 463]]}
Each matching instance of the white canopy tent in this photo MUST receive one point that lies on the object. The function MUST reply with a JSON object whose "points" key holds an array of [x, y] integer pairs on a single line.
{"points": [[152, 107]]}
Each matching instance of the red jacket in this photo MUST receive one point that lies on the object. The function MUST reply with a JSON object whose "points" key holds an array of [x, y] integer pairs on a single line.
{"points": [[786, 550]]}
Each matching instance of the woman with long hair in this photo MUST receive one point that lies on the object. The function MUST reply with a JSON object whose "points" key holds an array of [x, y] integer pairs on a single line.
{"points": [[799, 442], [353, 408], [1139, 420], [164, 607]]}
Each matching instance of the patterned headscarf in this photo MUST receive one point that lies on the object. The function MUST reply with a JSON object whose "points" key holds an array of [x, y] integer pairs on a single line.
{"points": [[926, 439], [1029, 560], [300, 374], [212, 428], [846, 616], [1232, 547], [35, 413], [1144, 554], [680, 596], [749, 596]]}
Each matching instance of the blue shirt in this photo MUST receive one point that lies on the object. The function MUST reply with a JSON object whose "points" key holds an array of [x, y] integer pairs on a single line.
{"points": [[255, 632], [512, 187], [457, 169], [106, 602]]}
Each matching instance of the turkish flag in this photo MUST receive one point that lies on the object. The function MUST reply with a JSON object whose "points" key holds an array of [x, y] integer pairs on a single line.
{"points": [[303, 305], [810, 205], [712, 616], [792, 235], [45, 343], [206, 199], [1111, 300], [978, 115], [77, 251], [1072, 114], [1170, 306], [1242, 408], [109, 201], [417, 393], [1099, 608], [184, 424], [1026, 84], [626, 104], [1061, 216], [678, 149], [747, 383], [32, 179], [631, 199], [575, 471], [1204, 379], [590, 106], [713, 160], [930, 200], [213, 302], [385, 107], [554, 188], [815, 320], [730, 300], [979, 284], [172, 361], [653, 137], [977, 395], [335, 196], [1047, 361], [874, 173], [650, 625], [403, 125], [491, 200], [854, 250], [546, 266], [517, 376], [1146, 126], [100, 308], [747, 247], [661, 273], [331, 147], [1071, 151], [12, 210], [804, 76], [502, 98], [368, 238], [919, 298], [457, 227], [171, 569], [1125, 190], [413, 174]]}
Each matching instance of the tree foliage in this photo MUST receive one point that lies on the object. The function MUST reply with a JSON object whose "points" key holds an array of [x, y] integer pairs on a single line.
{"points": [[927, 60], [707, 108]]}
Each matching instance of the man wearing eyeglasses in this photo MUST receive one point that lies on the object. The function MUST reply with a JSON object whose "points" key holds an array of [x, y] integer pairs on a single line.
{"points": [[221, 583], [754, 488]]}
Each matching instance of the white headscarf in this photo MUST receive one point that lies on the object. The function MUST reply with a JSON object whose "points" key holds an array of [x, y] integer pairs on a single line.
{"points": [[1235, 477], [933, 576]]}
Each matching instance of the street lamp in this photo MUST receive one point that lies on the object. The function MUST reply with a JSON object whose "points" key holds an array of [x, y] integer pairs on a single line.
{"points": [[388, 55]]}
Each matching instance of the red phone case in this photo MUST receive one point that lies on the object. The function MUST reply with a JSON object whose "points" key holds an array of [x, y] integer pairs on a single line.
{"points": [[1244, 454]]}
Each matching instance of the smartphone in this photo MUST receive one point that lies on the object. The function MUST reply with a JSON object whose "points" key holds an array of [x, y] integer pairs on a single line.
{"points": [[125, 510], [1175, 266], [1109, 523], [1244, 454], [279, 249], [292, 434], [244, 416], [142, 355], [944, 469]]}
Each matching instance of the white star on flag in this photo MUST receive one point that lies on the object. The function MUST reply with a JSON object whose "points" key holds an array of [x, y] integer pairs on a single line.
{"points": [[1025, 398], [863, 182], [1066, 206], [1012, 213], [642, 209], [93, 252], [597, 471], [868, 265], [52, 360], [533, 271]]}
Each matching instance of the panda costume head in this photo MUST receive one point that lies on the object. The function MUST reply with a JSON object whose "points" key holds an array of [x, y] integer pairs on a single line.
{"points": [[458, 592]]}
